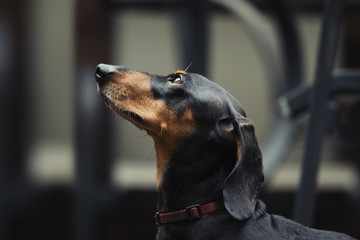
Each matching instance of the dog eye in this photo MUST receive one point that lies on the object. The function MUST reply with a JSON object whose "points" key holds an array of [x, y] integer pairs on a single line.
{"points": [[176, 79]]}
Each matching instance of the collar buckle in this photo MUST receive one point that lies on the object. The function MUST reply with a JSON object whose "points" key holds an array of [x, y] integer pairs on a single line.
{"points": [[157, 218], [194, 212]]}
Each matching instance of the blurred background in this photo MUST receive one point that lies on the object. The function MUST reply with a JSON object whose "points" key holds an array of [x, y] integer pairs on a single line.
{"points": [[71, 169]]}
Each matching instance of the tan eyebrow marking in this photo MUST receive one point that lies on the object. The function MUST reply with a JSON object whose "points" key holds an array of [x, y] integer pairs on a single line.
{"points": [[180, 72]]}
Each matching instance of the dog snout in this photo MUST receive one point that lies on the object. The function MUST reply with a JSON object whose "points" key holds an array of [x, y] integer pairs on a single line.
{"points": [[103, 70]]}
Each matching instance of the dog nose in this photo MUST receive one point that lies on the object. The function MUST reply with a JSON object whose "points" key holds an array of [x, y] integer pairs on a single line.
{"points": [[102, 70]]}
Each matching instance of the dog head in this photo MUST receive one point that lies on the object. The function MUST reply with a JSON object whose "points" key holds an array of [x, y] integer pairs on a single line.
{"points": [[193, 122]]}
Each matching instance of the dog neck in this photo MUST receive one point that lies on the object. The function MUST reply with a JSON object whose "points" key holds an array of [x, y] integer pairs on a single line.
{"points": [[194, 175]]}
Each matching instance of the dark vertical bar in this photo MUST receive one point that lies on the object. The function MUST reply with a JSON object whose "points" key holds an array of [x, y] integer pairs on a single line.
{"points": [[285, 18], [192, 29], [93, 120], [13, 104], [351, 44], [330, 33], [13, 89]]}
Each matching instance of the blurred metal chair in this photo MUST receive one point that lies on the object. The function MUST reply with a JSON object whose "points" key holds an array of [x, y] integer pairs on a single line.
{"points": [[322, 114]]}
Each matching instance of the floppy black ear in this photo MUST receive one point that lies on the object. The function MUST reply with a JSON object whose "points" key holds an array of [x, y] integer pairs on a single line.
{"points": [[243, 184]]}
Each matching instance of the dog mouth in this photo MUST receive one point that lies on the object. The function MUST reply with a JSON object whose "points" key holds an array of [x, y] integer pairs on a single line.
{"points": [[127, 114]]}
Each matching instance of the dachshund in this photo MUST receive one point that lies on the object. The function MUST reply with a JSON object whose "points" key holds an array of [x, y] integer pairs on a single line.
{"points": [[209, 165]]}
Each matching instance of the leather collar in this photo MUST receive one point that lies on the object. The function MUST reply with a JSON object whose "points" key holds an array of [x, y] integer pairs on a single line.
{"points": [[189, 213]]}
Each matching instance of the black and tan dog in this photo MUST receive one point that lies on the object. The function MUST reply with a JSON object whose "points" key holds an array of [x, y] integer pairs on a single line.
{"points": [[209, 165]]}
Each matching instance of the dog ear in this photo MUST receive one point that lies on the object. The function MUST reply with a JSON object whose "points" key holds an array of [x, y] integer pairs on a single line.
{"points": [[225, 131], [243, 184]]}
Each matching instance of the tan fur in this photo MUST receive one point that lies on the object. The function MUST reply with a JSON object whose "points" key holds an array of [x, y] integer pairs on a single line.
{"points": [[180, 72]]}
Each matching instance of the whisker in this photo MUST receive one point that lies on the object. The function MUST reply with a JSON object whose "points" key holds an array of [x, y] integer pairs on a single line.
{"points": [[188, 67], [161, 131], [148, 151]]}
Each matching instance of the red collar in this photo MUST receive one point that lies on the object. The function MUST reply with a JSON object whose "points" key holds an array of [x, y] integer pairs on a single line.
{"points": [[189, 213]]}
